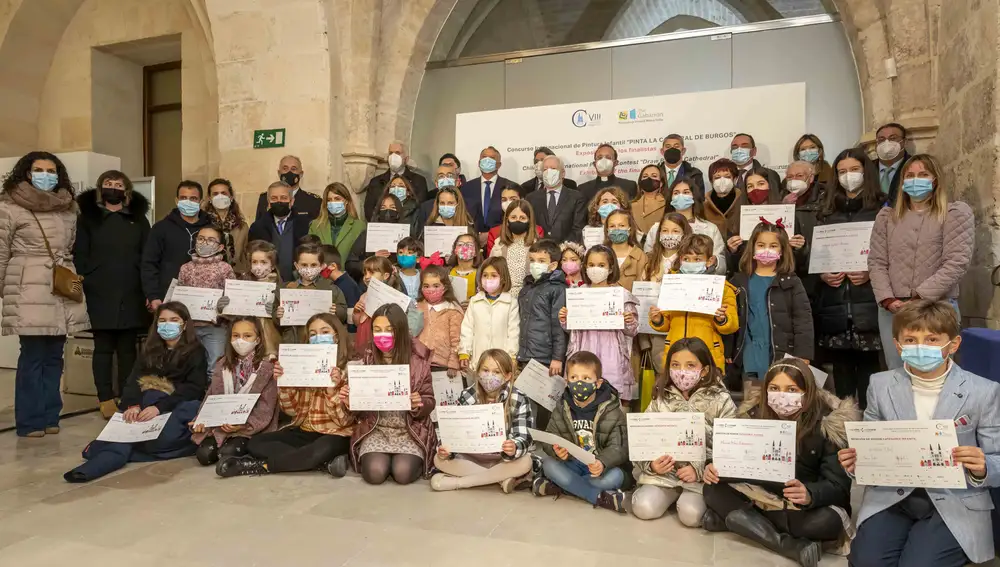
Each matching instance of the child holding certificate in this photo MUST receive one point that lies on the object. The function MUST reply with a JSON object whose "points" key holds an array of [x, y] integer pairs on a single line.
{"points": [[621, 235], [541, 299], [672, 229], [244, 369], [494, 384], [318, 438], [694, 385], [208, 268], [464, 261], [397, 443], [442, 319], [571, 263], [408, 252], [815, 506], [492, 320], [308, 265], [263, 268], [683, 197], [612, 346], [379, 268]]}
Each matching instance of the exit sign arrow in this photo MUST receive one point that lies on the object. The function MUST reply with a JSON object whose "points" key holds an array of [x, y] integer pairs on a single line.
{"points": [[269, 138]]}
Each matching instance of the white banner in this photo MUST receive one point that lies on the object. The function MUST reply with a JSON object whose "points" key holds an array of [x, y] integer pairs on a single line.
{"points": [[774, 115]]}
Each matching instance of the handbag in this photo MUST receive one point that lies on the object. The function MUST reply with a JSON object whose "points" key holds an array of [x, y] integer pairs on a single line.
{"points": [[65, 282]]}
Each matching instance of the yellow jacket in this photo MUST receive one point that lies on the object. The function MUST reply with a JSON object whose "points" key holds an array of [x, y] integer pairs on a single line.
{"points": [[683, 324]]}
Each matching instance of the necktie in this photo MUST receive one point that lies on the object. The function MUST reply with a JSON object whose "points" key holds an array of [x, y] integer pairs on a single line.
{"points": [[551, 210], [486, 201], [670, 177], [884, 180], [281, 227]]}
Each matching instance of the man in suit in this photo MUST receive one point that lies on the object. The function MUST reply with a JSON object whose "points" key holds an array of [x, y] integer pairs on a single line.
{"points": [[482, 194], [535, 183], [397, 159], [892, 154], [290, 172], [561, 212], [605, 162], [674, 166], [281, 227], [743, 150], [944, 527]]}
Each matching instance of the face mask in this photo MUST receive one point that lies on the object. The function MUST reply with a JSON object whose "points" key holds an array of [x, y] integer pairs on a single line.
{"points": [[785, 404], [722, 186], [490, 382], [446, 211], [538, 169], [290, 178], [112, 196], [487, 165], [758, 197], [321, 340], [888, 150], [571, 268], [582, 390], [618, 235], [505, 204], [852, 180], [398, 192], [206, 250], [244, 347], [810, 155], [168, 331], [693, 267], [670, 241], [221, 201], [384, 341], [491, 285], [604, 165], [672, 155], [682, 202], [280, 210], [766, 256], [309, 274], [740, 155], [923, 357], [918, 188], [44, 181], [597, 274], [606, 209], [517, 227], [444, 182], [685, 379], [188, 208], [433, 295], [261, 271], [395, 162], [389, 215], [465, 251], [406, 261], [796, 185], [649, 184], [336, 208], [551, 177], [538, 269]]}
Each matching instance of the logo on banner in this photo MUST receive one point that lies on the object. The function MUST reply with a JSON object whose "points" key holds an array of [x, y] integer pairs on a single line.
{"points": [[582, 119], [635, 115]]}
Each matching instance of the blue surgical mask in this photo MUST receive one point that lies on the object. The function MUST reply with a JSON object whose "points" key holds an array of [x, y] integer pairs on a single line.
{"points": [[321, 340], [606, 209], [336, 208], [445, 182], [168, 331], [44, 181], [740, 155], [918, 187], [406, 261], [618, 235], [811, 155], [923, 357], [398, 192], [446, 211], [487, 165], [682, 202], [188, 208], [693, 267]]}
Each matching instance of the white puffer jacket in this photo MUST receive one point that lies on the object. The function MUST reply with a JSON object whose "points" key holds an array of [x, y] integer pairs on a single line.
{"points": [[489, 325]]}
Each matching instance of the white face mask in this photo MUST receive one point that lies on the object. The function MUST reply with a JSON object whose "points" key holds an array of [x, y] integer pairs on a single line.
{"points": [[796, 185], [505, 204], [244, 347], [852, 180], [604, 166], [722, 186], [888, 150], [597, 274], [551, 177], [221, 201], [395, 162]]}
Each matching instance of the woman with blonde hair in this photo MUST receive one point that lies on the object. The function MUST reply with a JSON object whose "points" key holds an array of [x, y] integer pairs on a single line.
{"points": [[339, 223], [648, 205], [517, 234], [225, 214]]}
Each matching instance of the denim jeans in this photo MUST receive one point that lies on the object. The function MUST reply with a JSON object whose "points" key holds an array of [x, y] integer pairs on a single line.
{"points": [[37, 401], [574, 477], [214, 340]]}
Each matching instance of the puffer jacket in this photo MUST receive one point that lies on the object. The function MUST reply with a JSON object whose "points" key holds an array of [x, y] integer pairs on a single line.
{"points": [[542, 338], [29, 307], [168, 248], [489, 324], [714, 401], [685, 324], [610, 431], [919, 256], [442, 332], [790, 314]]}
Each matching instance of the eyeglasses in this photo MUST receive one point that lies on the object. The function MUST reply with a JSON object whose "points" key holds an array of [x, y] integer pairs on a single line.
{"points": [[203, 240]]}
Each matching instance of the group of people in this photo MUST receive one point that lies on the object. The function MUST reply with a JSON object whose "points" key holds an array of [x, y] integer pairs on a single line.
{"points": [[888, 332]]}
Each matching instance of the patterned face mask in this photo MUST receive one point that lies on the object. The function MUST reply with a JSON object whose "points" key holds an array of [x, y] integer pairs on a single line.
{"points": [[785, 404], [685, 379], [582, 390]]}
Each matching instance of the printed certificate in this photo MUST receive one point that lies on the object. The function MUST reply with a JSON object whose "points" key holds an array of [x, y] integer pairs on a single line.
{"points": [[535, 382], [647, 293], [446, 390], [472, 429], [441, 238], [750, 218], [307, 366], [575, 451], [840, 248], [756, 449], [117, 431], [906, 453], [200, 301], [592, 236], [595, 308], [697, 293], [679, 435], [380, 387], [301, 304], [385, 236], [249, 298], [460, 286], [226, 409], [380, 293]]}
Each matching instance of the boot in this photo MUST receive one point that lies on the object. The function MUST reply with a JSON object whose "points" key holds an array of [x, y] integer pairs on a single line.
{"points": [[337, 467], [108, 409], [208, 452], [240, 466], [712, 522], [752, 525]]}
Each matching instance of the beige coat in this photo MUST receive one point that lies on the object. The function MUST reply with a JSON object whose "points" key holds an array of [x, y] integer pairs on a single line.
{"points": [[29, 308]]}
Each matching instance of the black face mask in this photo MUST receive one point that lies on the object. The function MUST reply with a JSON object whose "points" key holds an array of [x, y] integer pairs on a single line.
{"points": [[672, 155], [518, 227], [290, 178], [648, 184], [388, 215], [112, 196], [280, 209]]}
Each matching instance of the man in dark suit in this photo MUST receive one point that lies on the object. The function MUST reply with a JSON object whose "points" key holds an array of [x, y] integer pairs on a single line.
{"points": [[482, 194], [674, 166], [397, 159], [891, 149], [535, 183], [561, 212], [290, 172], [281, 227], [743, 150], [605, 162]]}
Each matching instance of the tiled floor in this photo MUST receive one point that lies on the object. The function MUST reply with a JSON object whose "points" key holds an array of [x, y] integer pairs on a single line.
{"points": [[71, 403]]}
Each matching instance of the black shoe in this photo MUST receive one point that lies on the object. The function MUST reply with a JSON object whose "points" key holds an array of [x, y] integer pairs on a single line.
{"points": [[337, 467], [752, 525], [207, 454], [713, 522], [613, 500], [240, 466], [542, 486]]}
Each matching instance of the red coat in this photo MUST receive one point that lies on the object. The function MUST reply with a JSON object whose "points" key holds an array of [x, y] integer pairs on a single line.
{"points": [[494, 234]]}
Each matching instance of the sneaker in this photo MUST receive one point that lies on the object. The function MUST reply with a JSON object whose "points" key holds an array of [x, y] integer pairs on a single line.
{"points": [[52, 430], [509, 485], [240, 466], [611, 500], [542, 486], [337, 467], [34, 434]]}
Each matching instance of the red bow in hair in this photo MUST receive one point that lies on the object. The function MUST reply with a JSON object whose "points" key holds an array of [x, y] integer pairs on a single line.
{"points": [[435, 259], [780, 223]]}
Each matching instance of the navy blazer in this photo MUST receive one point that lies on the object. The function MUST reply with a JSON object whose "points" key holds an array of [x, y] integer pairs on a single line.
{"points": [[472, 192], [570, 218]]}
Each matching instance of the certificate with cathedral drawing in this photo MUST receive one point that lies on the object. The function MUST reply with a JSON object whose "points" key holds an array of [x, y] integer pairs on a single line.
{"points": [[200, 301], [595, 308], [307, 366], [249, 298], [480, 428], [697, 293], [647, 294], [384, 387], [840, 247], [756, 449], [906, 453], [301, 304], [117, 431], [441, 238], [536, 383], [385, 236], [446, 390], [592, 236], [226, 409], [380, 293], [750, 216], [680, 435]]}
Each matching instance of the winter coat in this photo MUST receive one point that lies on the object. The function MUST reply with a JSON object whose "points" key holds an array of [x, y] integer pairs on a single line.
{"points": [[184, 379], [816, 462], [714, 401], [346, 237], [917, 256], [264, 415], [685, 324], [29, 306], [441, 333], [489, 324], [169, 246], [633, 268], [790, 314], [418, 421], [610, 431], [542, 338]]}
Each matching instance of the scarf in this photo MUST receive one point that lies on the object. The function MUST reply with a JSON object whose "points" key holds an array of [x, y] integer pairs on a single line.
{"points": [[25, 194], [232, 221], [210, 260]]}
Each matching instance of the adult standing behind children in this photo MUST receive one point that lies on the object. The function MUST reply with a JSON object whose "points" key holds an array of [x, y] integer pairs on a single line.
{"points": [[226, 215], [171, 242], [280, 227]]}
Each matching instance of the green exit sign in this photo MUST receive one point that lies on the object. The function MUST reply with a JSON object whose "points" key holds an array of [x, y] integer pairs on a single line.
{"points": [[269, 138]]}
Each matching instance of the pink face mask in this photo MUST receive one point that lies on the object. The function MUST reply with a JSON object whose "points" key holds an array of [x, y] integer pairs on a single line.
{"points": [[383, 341], [766, 256], [491, 285], [465, 251], [571, 268], [433, 294], [685, 379], [785, 404]]}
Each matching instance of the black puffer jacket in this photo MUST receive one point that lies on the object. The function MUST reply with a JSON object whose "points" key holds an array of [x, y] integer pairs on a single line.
{"points": [[542, 338], [790, 314], [168, 247]]}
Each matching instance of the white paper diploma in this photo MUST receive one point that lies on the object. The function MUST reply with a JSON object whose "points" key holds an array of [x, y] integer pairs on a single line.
{"points": [[306, 366], [301, 304], [385, 236], [653, 435], [592, 236], [248, 298], [839, 248], [117, 431], [460, 286], [575, 451], [595, 308], [200, 301], [441, 238], [472, 429], [697, 293], [226, 409], [380, 293], [446, 390], [750, 218], [535, 382], [647, 294], [380, 387], [906, 453], [757, 449], [170, 291]]}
